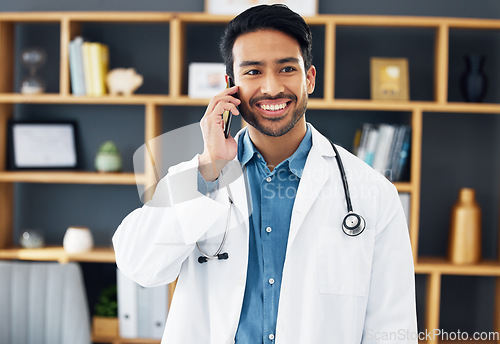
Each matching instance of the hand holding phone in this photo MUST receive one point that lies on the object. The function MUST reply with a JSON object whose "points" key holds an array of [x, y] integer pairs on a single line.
{"points": [[218, 149]]}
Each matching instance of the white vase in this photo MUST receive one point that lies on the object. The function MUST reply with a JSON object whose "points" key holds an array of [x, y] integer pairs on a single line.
{"points": [[78, 239], [108, 162]]}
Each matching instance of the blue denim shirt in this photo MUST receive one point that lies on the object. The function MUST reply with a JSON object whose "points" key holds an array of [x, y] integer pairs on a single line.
{"points": [[272, 198]]}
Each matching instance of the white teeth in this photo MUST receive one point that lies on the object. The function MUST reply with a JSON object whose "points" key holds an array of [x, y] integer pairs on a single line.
{"points": [[273, 107]]}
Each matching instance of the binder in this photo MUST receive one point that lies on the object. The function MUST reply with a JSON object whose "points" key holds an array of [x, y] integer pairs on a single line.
{"points": [[159, 311], [127, 306]]}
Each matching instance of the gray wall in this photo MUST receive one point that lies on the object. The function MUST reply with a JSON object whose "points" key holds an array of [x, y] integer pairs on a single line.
{"points": [[458, 151]]}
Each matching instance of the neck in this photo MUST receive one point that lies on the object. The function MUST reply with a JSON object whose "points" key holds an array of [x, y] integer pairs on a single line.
{"points": [[276, 149]]}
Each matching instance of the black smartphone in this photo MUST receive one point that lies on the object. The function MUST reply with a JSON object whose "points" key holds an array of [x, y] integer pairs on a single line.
{"points": [[227, 116]]}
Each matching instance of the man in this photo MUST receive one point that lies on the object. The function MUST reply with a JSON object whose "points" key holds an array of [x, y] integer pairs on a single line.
{"points": [[261, 256]]}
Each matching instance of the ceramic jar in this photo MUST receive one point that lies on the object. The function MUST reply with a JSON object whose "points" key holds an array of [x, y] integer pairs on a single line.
{"points": [[78, 239]]}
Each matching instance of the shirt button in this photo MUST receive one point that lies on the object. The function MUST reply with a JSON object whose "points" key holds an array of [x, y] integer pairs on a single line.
{"points": [[268, 179], [271, 281], [271, 336], [269, 229]]}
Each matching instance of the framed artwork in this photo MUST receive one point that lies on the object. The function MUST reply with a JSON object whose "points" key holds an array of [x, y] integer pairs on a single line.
{"points": [[389, 78], [42, 145], [206, 79], [306, 8]]}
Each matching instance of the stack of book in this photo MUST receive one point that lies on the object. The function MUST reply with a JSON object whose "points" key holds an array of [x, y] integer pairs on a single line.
{"points": [[142, 312], [384, 147], [89, 64]]}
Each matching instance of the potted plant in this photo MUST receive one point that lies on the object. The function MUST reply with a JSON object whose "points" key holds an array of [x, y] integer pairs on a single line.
{"points": [[105, 320]]}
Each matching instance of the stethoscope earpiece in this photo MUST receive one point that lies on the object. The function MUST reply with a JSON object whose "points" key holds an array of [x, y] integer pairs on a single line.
{"points": [[353, 224]]}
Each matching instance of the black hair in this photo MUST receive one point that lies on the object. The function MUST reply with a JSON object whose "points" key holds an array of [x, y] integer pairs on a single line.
{"points": [[275, 17]]}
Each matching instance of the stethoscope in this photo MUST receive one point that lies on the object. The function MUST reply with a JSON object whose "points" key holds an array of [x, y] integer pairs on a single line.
{"points": [[353, 224]]}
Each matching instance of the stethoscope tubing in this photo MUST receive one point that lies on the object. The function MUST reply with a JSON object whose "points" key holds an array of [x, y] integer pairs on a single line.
{"points": [[346, 228]]}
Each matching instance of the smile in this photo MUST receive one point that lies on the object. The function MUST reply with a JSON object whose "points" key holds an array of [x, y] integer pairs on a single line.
{"points": [[273, 107]]}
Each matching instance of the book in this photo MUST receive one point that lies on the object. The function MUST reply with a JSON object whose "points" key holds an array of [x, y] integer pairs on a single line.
{"points": [[362, 148], [403, 156], [104, 67], [99, 57], [87, 68], [394, 156], [95, 68], [386, 133], [76, 67], [384, 147], [372, 146]]}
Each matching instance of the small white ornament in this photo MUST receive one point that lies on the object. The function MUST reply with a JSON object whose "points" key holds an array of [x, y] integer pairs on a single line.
{"points": [[78, 239]]}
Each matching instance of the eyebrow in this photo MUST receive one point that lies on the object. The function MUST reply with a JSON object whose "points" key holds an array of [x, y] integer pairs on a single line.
{"points": [[260, 63]]}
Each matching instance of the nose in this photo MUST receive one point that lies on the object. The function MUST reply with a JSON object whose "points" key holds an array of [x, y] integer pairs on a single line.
{"points": [[271, 85]]}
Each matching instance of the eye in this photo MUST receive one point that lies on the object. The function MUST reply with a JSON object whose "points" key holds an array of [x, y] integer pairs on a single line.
{"points": [[252, 72], [288, 69]]}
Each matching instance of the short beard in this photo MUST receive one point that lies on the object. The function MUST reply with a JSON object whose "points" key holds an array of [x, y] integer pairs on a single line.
{"points": [[250, 117]]}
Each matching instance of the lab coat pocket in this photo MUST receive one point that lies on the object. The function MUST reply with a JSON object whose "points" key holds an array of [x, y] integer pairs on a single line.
{"points": [[344, 262]]}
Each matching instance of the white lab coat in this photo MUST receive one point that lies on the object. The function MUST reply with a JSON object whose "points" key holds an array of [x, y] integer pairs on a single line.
{"points": [[335, 288]]}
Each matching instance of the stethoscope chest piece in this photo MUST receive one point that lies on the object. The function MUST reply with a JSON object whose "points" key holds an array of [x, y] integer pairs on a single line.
{"points": [[353, 224]]}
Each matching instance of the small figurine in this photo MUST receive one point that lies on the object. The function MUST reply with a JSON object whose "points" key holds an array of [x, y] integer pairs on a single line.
{"points": [[123, 81]]}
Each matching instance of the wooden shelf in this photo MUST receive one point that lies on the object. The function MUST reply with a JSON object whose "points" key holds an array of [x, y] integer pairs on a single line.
{"points": [[58, 254], [125, 340], [433, 265], [202, 18], [314, 103], [71, 177]]}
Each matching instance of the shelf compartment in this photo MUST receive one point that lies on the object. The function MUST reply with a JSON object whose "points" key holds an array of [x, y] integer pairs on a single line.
{"points": [[432, 265], [54, 253], [71, 177]]}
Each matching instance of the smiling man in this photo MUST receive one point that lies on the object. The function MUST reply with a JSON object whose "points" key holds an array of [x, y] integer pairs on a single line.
{"points": [[270, 256]]}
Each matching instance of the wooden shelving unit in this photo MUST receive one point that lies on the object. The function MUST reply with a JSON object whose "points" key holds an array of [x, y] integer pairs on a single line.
{"points": [[71, 24], [97, 255]]}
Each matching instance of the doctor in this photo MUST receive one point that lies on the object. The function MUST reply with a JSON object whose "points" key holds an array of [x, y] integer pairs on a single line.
{"points": [[252, 227]]}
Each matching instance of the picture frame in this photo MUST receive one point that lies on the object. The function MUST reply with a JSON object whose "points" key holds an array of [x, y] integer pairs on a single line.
{"points": [[306, 8], [389, 78], [42, 145], [206, 79]]}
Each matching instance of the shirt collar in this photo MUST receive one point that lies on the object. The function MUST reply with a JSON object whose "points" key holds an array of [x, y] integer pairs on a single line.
{"points": [[296, 162]]}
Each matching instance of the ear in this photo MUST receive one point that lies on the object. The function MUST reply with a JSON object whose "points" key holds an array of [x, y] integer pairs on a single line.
{"points": [[311, 79], [229, 81]]}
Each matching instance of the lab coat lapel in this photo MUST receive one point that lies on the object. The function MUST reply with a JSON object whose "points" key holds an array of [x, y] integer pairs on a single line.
{"points": [[314, 178]]}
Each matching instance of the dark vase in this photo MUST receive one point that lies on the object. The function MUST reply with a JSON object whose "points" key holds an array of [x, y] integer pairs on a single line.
{"points": [[474, 82]]}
